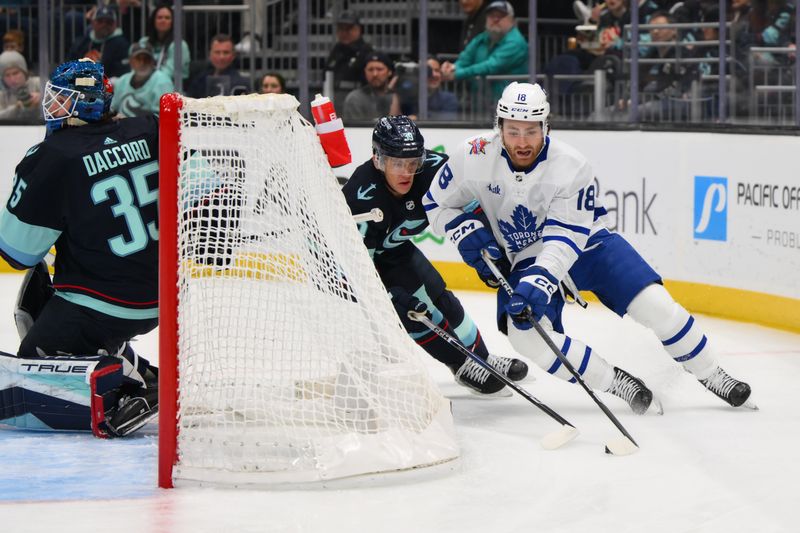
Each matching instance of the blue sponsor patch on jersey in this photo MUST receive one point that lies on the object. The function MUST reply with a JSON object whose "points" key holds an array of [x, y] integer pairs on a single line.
{"points": [[711, 208]]}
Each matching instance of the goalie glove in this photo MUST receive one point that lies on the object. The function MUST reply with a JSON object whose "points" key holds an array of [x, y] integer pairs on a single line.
{"points": [[532, 295], [471, 237]]}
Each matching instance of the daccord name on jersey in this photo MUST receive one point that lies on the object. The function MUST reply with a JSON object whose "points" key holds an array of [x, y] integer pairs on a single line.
{"points": [[116, 156]]}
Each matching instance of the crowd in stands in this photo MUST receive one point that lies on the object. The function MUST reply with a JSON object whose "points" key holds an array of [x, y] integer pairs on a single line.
{"points": [[369, 83]]}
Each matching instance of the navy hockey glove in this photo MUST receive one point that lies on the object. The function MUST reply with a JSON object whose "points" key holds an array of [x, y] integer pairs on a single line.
{"points": [[532, 295], [404, 302], [470, 235]]}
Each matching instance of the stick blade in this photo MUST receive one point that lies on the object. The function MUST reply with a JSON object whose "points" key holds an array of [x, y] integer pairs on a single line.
{"points": [[621, 446], [559, 438]]}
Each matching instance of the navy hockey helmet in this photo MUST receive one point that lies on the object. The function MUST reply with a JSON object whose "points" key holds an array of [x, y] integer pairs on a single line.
{"points": [[77, 93], [397, 137]]}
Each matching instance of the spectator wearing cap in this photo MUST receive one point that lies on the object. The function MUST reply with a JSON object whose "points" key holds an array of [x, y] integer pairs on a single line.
{"points": [[221, 76], [375, 99], [138, 92], [348, 56], [20, 96], [104, 43], [501, 49], [160, 38]]}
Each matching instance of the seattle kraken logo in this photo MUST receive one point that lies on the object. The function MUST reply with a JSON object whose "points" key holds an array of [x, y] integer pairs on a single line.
{"points": [[710, 208], [402, 233], [522, 231]]}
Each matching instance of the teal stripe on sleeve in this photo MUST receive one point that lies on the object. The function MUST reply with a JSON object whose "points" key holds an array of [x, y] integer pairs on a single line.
{"points": [[107, 308], [25, 243]]}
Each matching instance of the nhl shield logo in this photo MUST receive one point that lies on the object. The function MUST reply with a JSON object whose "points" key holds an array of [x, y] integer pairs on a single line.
{"points": [[410, 205]]}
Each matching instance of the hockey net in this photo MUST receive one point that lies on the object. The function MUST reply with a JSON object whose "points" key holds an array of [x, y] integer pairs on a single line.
{"points": [[282, 359]]}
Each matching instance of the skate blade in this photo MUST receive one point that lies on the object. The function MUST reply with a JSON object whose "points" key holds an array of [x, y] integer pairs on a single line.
{"points": [[656, 407], [750, 405], [505, 392], [557, 439], [621, 446]]}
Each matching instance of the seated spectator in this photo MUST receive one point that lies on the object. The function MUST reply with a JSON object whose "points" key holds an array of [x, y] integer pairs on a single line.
{"points": [[375, 99], [160, 38], [273, 83], [138, 92], [20, 97], [348, 56], [442, 105], [221, 76], [769, 23], [14, 41], [104, 43], [501, 49]]}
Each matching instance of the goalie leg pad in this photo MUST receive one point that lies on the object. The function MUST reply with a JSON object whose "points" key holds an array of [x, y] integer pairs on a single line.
{"points": [[56, 393]]}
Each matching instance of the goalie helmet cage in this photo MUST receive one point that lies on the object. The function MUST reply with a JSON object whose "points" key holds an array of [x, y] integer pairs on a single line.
{"points": [[281, 357]]}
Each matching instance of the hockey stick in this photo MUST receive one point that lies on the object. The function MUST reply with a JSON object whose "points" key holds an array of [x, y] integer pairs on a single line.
{"points": [[550, 441], [619, 446]]}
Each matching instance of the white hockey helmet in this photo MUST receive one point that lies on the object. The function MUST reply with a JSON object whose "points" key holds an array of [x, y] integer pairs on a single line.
{"points": [[523, 101]]}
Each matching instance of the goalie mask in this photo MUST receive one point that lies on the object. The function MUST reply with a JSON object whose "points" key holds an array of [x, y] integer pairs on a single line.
{"points": [[77, 93], [397, 142], [523, 101]]}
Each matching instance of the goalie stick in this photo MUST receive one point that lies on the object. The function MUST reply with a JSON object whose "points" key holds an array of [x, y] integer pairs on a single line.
{"points": [[620, 446], [550, 441]]}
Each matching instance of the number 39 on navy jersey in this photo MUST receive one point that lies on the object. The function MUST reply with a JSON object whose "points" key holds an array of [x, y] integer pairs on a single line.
{"points": [[91, 191]]}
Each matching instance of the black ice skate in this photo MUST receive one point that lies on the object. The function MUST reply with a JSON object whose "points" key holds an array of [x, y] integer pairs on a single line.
{"points": [[728, 389], [475, 377], [513, 369], [133, 412], [632, 390]]}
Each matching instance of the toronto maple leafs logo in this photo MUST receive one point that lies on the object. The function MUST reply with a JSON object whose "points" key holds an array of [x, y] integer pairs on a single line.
{"points": [[478, 146], [521, 231]]}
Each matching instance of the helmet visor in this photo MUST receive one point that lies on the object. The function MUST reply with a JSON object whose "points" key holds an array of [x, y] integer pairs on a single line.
{"points": [[404, 165], [59, 103]]}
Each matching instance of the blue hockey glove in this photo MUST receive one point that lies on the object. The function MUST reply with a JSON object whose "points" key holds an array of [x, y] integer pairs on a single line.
{"points": [[533, 292], [404, 302], [470, 235]]}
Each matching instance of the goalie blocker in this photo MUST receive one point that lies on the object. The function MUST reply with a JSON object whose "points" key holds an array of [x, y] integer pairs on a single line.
{"points": [[67, 393]]}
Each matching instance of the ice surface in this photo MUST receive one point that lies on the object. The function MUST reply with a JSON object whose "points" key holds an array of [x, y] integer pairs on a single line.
{"points": [[702, 466]]}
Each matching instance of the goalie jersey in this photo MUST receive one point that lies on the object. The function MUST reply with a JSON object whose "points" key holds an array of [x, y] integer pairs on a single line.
{"points": [[547, 211], [92, 191], [389, 241]]}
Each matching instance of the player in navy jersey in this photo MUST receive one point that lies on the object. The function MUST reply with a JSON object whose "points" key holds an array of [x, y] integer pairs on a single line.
{"points": [[394, 180], [538, 195], [91, 190]]}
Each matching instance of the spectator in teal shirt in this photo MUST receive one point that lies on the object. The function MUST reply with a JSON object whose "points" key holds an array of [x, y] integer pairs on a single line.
{"points": [[138, 92], [501, 49]]}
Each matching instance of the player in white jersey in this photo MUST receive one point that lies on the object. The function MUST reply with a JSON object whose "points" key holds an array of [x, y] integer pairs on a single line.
{"points": [[539, 197]]}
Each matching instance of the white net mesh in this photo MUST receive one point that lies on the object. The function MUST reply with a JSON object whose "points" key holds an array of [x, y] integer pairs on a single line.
{"points": [[292, 363]]}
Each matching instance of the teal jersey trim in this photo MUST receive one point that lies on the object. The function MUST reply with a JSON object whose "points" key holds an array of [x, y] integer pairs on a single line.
{"points": [[25, 243], [107, 308], [26, 421]]}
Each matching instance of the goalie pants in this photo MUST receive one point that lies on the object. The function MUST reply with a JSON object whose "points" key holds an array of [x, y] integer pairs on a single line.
{"points": [[419, 277], [66, 328]]}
